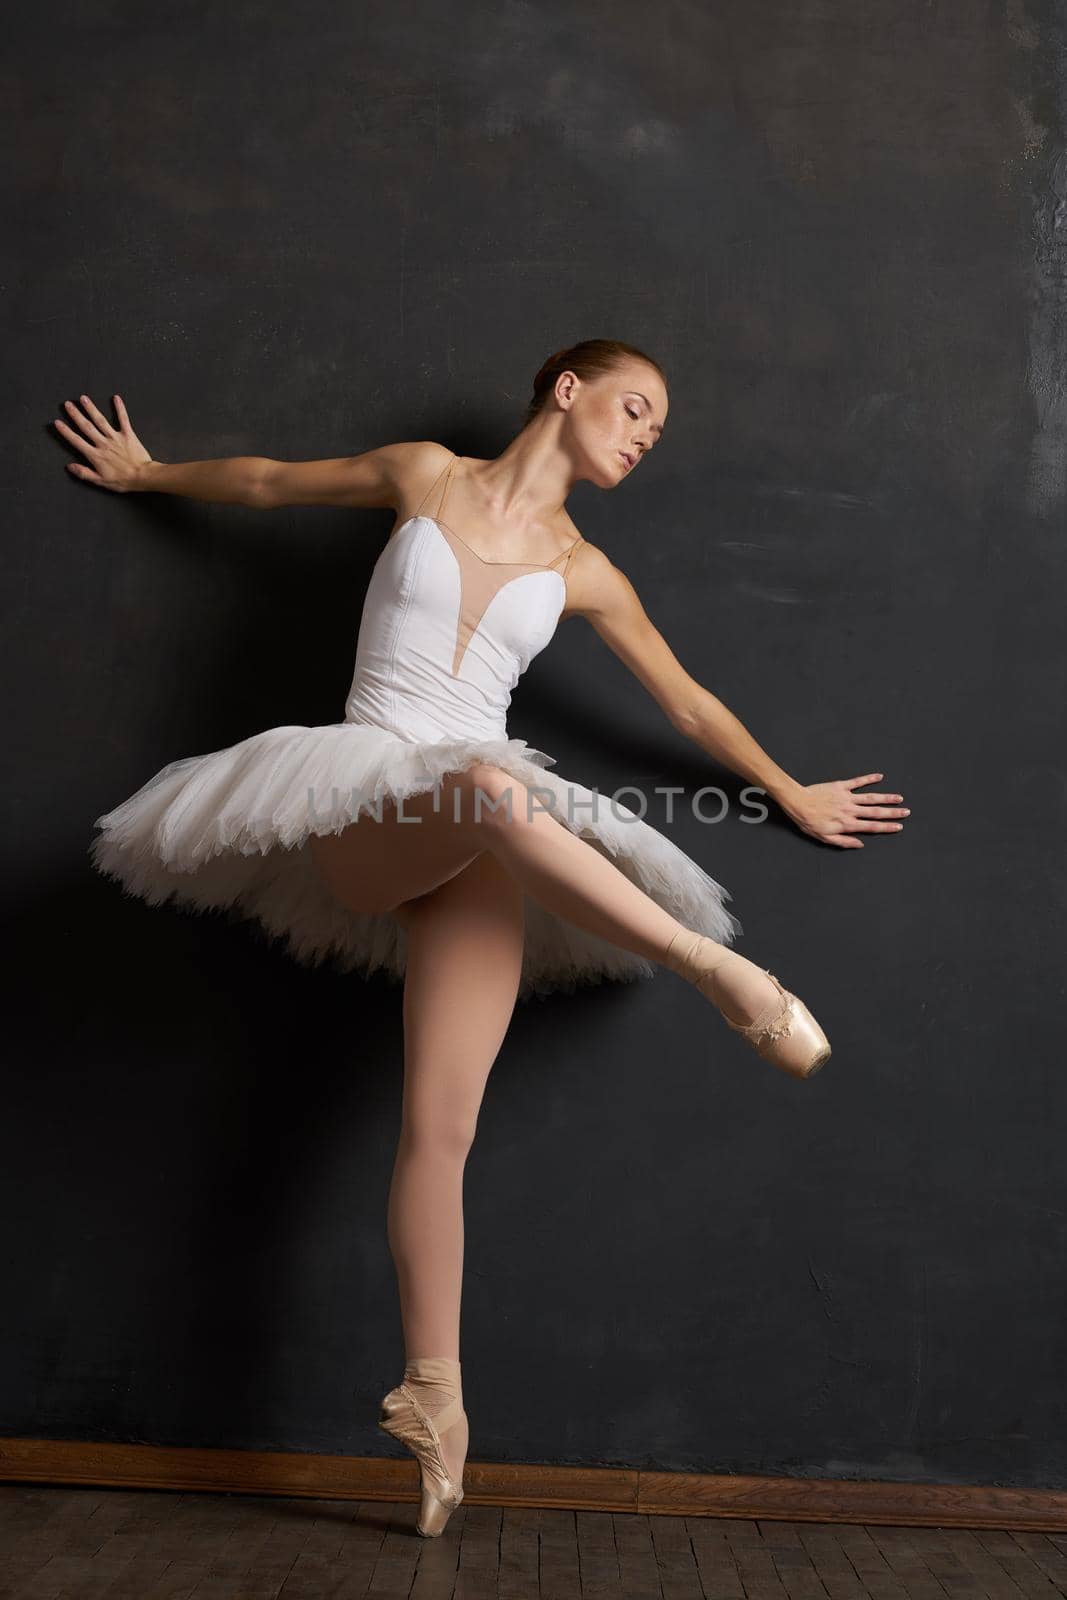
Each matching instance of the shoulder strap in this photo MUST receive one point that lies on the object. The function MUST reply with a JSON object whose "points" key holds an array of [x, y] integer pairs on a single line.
{"points": [[447, 468], [569, 554]]}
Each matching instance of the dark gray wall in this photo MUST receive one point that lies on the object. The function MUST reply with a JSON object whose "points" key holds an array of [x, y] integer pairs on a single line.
{"points": [[305, 232]]}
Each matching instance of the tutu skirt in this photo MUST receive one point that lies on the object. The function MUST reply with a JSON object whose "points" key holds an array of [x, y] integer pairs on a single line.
{"points": [[228, 832]]}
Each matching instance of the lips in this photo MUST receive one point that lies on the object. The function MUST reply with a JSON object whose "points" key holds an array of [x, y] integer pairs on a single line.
{"points": [[627, 458]]}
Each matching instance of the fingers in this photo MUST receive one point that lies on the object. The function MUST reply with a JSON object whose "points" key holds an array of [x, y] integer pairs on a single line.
{"points": [[876, 805], [88, 427], [863, 822], [102, 424], [871, 777], [75, 438]]}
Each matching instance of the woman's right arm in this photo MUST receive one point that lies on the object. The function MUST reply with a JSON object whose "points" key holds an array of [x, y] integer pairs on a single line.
{"points": [[371, 479], [116, 459]]}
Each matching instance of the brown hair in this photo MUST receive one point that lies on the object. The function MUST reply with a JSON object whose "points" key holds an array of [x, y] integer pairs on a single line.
{"points": [[590, 359]]}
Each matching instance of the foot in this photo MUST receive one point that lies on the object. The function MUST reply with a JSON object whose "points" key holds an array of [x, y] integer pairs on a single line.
{"points": [[777, 1025], [425, 1412], [454, 1442]]}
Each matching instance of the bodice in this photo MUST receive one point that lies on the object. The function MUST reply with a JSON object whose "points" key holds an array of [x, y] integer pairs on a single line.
{"points": [[445, 635]]}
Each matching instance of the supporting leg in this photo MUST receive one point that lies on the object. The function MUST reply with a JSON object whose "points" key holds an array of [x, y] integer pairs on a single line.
{"points": [[464, 960]]}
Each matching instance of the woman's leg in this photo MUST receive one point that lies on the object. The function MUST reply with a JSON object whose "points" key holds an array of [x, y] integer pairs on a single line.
{"points": [[568, 876], [378, 866], [464, 960]]}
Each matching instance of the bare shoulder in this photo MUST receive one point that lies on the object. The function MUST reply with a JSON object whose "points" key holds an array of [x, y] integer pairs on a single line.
{"points": [[417, 466], [411, 467], [602, 593], [596, 587]]}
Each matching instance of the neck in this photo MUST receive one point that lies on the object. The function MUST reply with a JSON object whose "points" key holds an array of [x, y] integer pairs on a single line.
{"points": [[528, 483]]}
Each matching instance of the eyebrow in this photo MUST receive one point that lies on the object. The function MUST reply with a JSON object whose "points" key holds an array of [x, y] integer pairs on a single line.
{"points": [[658, 427]]}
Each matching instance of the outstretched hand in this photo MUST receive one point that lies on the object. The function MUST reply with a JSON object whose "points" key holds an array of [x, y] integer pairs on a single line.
{"points": [[116, 457], [833, 813]]}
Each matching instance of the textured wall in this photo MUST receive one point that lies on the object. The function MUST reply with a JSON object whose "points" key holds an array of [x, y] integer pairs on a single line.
{"points": [[842, 227]]}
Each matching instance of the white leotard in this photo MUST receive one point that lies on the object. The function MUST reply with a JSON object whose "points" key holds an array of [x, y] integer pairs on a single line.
{"points": [[446, 634]]}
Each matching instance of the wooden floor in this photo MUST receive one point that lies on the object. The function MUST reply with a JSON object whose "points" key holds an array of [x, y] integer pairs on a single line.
{"points": [[138, 1545]]}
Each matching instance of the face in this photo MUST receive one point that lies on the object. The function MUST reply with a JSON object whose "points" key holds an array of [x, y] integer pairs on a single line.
{"points": [[614, 420]]}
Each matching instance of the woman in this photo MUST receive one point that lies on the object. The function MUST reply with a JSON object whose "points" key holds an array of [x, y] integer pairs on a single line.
{"points": [[418, 837]]}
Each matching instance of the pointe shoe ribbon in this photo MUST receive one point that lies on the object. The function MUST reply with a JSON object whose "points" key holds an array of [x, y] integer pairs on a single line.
{"points": [[404, 1417], [784, 1033]]}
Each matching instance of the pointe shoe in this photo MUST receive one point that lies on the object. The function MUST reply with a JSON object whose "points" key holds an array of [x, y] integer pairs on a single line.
{"points": [[404, 1417], [784, 1033]]}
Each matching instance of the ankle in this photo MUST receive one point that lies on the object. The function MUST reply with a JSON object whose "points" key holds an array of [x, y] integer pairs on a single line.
{"points": [[736, 986], [693, 955], [440, 1367], [437, 1380]]}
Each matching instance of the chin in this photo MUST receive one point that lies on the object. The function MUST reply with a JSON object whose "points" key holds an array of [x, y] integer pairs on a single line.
{"points": [[607, 476]]}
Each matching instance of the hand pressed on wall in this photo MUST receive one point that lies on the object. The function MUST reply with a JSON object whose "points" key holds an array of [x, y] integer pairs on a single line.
{"points": [[115, 456], [833, 813]]}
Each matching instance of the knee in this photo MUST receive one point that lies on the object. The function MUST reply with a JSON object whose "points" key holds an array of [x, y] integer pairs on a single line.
{"points": [[439, 1135], [492, 797]]}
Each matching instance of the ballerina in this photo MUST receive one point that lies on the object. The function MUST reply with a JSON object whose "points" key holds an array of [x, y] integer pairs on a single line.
{"points": [[417, 837]]}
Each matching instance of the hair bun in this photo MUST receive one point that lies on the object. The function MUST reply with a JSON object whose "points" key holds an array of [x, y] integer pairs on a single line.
{"points": [[589, 359], [544, 370]]}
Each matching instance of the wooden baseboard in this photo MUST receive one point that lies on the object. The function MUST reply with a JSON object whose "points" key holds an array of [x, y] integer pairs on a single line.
{"points": [[691, 1494]]}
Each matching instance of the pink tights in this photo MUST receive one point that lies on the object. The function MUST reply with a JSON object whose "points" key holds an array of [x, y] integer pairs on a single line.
{"points": [[464, 958]]}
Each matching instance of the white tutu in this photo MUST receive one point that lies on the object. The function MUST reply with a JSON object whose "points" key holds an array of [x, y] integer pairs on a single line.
{"points": [[228, 832]]}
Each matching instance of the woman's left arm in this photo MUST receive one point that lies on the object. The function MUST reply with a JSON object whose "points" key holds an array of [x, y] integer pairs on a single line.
{"points": [[831, 812]]}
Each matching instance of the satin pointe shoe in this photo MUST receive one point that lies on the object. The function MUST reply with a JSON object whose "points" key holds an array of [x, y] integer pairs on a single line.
{"points": [[784, 1032], [406, 1417]]}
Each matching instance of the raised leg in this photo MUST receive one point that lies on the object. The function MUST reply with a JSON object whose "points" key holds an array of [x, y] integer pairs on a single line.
{"points": [[569, 876], [382, 866]]}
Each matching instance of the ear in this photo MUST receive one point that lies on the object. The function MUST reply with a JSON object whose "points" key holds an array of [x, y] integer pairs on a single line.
{"points": [[566, 388]]}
